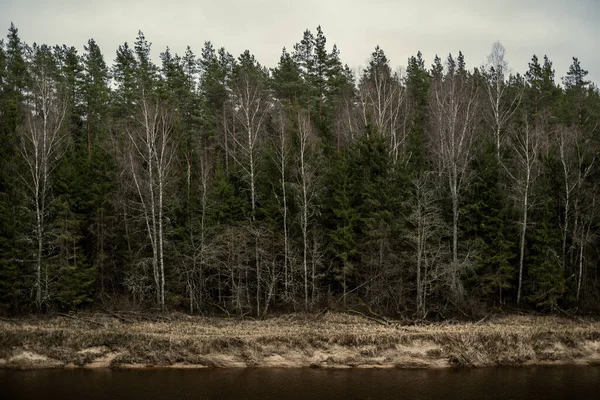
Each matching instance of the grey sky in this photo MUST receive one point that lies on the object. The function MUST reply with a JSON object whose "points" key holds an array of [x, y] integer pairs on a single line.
{"points": [[559, 28]]}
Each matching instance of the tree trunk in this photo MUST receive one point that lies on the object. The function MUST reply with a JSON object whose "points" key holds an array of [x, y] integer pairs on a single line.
{"points": [[38, 271], [522, 244], [160, 241]]}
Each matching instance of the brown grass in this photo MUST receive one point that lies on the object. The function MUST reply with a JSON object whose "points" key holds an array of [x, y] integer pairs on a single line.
{"points": [[330, 340]]}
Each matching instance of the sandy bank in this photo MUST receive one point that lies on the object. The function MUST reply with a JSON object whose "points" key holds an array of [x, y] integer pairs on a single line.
{"points": [[326, 341]]}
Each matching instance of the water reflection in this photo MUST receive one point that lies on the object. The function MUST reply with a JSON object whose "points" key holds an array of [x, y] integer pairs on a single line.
{"points": [[301, 384]]}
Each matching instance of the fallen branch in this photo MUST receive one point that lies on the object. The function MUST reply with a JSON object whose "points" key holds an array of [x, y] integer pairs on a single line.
{"points": [[148, 317], [89, 321], [119, 317], [484, 318], [459, 309], [385, 323], [224, 310], [568, 315], [321, 313], [374, 314]]}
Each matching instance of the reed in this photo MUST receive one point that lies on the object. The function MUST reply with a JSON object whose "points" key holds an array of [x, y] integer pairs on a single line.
{"points": [[329, 340]]}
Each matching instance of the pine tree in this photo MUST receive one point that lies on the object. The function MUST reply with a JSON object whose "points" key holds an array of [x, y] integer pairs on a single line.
{"points": [[575, 102], [485, 222], [542, 94], [216, 74], [287, 82], [576, 76], [381, 188], [74, 275], [99, 167], [304, 56], [321, 61], [95, 93], [546, 280], [417, 86], [344, 223], [15, 278], [123, 73]]}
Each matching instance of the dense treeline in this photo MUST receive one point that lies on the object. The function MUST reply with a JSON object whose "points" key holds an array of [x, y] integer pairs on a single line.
{"points": [[214, 183]]}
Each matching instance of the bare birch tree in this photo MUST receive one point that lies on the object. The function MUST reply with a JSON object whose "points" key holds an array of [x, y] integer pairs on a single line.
{"points": [[453, 105], [281, 158], [584, 235], [502, 105], [250, 104], [382, 101], [577, 160], [42, 143], [305, 186], [347, 120], [526, 144], [425, 238], [194, 268], [149, 160]]}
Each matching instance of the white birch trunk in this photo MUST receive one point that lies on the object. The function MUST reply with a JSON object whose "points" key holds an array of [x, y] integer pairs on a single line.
{"points": [[42, 142]]}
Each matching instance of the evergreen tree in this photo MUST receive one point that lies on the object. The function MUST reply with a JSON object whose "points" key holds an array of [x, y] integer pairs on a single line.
{"points": [[542, 94], [345, 222], [321, 67], [486, 223], [576, 110], [417, 85], [99, 168], [123, 71], [287, 82], [95, 93], [216, 74], [378, 68], [15, 277], [576, 76], [75, 276], [305, 58], [546, 280]]}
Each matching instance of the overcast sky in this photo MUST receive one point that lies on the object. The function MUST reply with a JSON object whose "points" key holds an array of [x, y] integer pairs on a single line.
{"points": [[559, 28]]}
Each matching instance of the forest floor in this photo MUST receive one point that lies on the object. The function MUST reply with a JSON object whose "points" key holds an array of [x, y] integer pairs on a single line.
{"points": [[330, 340]]}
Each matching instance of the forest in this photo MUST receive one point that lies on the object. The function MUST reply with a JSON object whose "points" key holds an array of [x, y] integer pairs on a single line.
{"points": [[209, 183]]}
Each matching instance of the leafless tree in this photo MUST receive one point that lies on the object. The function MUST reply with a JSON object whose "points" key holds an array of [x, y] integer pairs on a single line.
{"points": [[347, 121], [306, 189], [585, 233], [194, 268], [231, 252], [577, 160], [502, 105], [281, 158], [149, 160], [42, 143], [453, 105], [250, 104], [526, 144], [425, 237], [382, 102]]}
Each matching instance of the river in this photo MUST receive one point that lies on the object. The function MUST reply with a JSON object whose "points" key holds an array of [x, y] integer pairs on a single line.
{"points": [[490, 383]]}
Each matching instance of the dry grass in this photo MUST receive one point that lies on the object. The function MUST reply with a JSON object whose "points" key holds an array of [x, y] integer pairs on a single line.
{"points": [[330, 340]]}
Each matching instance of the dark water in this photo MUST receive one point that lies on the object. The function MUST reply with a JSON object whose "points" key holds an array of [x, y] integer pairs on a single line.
{"points": [[294, 384]]}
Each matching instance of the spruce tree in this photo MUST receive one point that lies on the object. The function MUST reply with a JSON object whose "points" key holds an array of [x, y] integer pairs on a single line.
{"points": [[74, 274], [417, 86], [486, 225], [15, 277], [286, 81]]}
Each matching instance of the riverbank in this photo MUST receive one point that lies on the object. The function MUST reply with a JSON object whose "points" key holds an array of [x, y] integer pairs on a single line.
{"points": [[330, 340]]}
